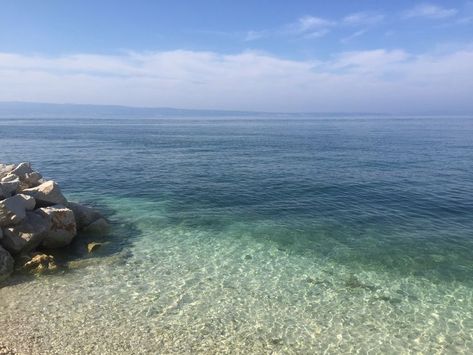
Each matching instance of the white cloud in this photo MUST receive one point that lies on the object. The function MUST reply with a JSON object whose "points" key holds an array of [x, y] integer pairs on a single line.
{"points": [[376, 80], [315, 27], [305, 27], [363, 18], [372, 61], [255, 35], [310, 23], [353, 36], [317, 34], [309, 27], [430, 11]]}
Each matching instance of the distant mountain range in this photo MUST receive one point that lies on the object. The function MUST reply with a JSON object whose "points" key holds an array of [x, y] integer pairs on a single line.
{"points": [[47, 110]]}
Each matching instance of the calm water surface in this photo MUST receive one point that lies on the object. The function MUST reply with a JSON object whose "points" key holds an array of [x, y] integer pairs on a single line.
{"points": [[255, 236]]}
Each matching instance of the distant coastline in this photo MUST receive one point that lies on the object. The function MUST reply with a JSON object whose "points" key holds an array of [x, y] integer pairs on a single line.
{"points": [[14, 109]]}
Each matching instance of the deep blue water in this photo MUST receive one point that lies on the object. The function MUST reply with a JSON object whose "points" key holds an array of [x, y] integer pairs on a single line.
{"points": [[394, 191]]}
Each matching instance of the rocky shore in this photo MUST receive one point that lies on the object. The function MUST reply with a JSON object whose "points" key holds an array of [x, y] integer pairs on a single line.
{"points": [[35, 218]]}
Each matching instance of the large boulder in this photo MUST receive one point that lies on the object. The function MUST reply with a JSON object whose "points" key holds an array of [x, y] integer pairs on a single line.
{"points": [[33, 179], [22, 172], [46, 194], [27, 235], [8, 188], [6, 169], [6, 264], [13, 209], [12, 178], [22, 169], [84, 215], [63, 226]]}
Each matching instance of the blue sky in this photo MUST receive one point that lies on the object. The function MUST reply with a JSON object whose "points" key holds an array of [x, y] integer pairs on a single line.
{"points": [[393, 56]]}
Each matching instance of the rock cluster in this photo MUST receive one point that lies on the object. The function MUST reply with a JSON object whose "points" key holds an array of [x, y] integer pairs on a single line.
{"points": [[34, 214]]}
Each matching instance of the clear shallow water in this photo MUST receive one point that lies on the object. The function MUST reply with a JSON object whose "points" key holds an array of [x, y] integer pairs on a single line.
{"points": [[256, 236]]}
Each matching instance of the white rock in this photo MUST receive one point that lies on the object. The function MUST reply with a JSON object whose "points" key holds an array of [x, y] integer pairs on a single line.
{"points": [[22, 169], [13, 209], [27, 235], [5, 169], [46, 194], [10, 177], [6, 264], [15, 178], [33, 179], [62, 228]]}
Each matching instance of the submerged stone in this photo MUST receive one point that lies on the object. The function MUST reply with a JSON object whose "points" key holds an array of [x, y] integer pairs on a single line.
{"points": [[93, 246], [84, 215], [115, 259], [41, 263], [100, 226], [354, 282], [386, 298]]}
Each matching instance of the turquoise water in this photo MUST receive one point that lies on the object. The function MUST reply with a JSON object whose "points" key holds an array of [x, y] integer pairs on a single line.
{"points": [[256, 236]]}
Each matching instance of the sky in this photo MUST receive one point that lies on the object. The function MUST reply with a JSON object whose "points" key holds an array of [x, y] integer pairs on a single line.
{"points": [[293, 56]]}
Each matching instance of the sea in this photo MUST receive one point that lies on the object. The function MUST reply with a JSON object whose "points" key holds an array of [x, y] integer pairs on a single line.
{"points": [[253, 235]]}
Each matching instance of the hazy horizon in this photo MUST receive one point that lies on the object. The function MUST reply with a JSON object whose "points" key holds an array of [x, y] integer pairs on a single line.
{"points": [[15, 109], [411, 57]]}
